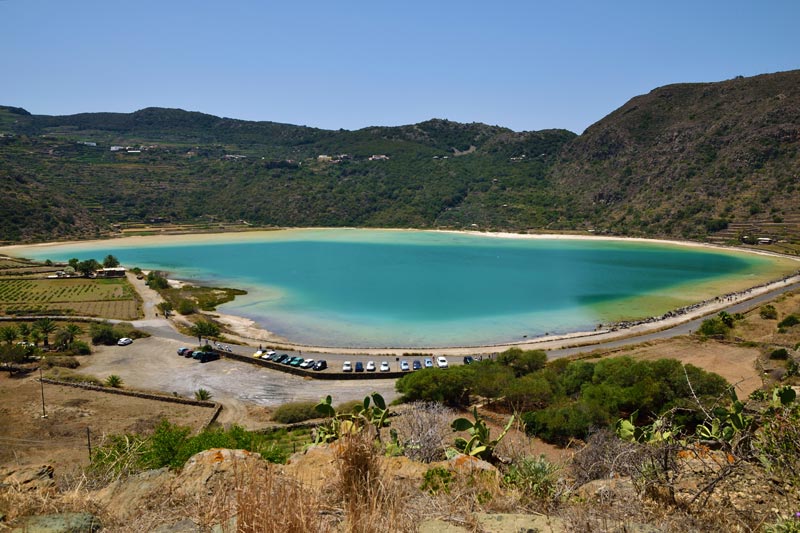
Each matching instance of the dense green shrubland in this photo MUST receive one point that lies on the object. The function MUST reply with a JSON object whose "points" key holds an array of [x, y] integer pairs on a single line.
{"points": [[566, 400]]}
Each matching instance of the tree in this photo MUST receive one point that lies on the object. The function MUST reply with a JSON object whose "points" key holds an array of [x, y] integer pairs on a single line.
{"points": [[87, 267], [165, 308], [11, 354], [45, 326], [24, 331], [9, 334], [72, 331], [204, 328], [523, 361], [110, 261], [74, 263], [114, 381]]}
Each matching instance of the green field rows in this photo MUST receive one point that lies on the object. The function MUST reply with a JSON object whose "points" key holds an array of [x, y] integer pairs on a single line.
{"points": [[111, 298]]}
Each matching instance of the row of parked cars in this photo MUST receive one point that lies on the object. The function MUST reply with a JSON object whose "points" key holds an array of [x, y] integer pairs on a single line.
{"points": [[200, 355], [416, 364], [288, 360]]}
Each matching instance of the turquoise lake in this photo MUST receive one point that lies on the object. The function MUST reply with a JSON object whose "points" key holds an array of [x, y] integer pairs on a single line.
{"points": [[375, 288]]}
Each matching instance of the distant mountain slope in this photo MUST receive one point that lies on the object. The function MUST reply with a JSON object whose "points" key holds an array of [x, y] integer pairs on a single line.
{"points": [[687, 159], [703, 161]]}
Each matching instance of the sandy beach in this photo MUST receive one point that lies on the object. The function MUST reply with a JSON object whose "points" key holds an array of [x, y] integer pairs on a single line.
{"points": [[249, 332]]}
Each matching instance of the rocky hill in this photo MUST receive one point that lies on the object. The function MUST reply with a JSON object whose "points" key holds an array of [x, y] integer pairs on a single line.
{"points": [[702, 161], [689, 159]]}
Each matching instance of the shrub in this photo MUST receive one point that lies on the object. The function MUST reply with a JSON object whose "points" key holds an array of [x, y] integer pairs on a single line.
{"points": [[114, 381], [436, 480], [62, 361], [768, 312], [424, 430], [780, 354], [103, 333], [713, 327], [290, 413], [789, 321], [535, 477], [202, 395], [79, 348]]}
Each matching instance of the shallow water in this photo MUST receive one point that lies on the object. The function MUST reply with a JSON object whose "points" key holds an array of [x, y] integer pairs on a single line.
{"points": [[376, 288]]}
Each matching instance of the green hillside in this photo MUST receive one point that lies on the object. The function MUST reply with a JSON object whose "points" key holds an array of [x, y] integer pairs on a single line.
{"points": [[704, 161]]}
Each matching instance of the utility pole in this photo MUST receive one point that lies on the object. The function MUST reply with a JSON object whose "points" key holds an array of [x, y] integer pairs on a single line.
{"points": [[44, 413]]}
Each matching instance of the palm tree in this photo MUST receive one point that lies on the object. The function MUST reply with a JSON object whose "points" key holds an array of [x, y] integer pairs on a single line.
{"points": [[24, 331], [35, 337], [114, 381], [45, 327], [202, 395], [72, 331], [204, 328], [9, 334]]}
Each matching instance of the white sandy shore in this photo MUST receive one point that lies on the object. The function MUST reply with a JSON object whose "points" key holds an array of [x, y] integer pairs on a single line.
{"points": [[249, 332]]}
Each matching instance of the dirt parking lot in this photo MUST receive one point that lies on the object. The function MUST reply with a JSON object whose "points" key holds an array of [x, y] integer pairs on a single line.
{"points": [[245, 390]]}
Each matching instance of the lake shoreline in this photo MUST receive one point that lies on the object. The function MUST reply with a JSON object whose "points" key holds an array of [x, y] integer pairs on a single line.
{"points": [[247, 330]]}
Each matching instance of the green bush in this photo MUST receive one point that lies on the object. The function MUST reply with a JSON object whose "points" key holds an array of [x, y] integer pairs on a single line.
{"points": [[535, 477], [436, 480], [290, 413], [713, 327], [780, 354], [79, 348], [768, 312], [789, 321], [61, 361]]}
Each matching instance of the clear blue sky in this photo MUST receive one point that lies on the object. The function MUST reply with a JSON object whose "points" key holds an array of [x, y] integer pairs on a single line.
{"points": [[526, 65]]}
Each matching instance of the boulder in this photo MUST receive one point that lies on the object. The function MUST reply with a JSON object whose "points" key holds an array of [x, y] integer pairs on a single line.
{"points": [[128, 496], [28, 477], [60, 523], [216, 469]]}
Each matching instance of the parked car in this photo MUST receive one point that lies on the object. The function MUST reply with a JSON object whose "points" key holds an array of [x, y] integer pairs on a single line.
{"points": [[370, 366], [258, 354], [182, 350], [322, 364], [384, 366], [359, 366], [347, 366], [416, 365], [308, 363], [195, 354], [296, 361], [280, 359], [441, 362], [189, 353], [268, 354], [468, 360], [124, 341], [209, 356], [404, 366], [428, 363]]}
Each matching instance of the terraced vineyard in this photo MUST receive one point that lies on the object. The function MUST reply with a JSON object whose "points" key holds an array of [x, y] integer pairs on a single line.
{"points": [[110, 298]]}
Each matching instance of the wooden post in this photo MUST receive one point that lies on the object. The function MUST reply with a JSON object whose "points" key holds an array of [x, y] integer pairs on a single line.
{"points": [[89, 443]]}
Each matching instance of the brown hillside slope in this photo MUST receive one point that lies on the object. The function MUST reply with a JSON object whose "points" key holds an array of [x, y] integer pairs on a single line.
{"points": [[688, 159]]}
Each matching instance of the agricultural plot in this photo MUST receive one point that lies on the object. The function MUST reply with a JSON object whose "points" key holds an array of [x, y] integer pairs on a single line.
{"points": [[109, 298]]}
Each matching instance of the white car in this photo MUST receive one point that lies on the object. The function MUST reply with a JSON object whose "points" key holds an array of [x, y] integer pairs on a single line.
{"points": [[428, 363], [124, 341], [384, 366], [404, 366], [347, 366], [308, 363], [441, 362], [371, 366]]}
